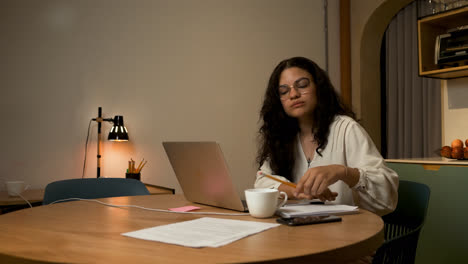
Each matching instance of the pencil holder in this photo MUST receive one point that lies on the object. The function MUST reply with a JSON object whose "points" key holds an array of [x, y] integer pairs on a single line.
{"points": [[135, 176]]}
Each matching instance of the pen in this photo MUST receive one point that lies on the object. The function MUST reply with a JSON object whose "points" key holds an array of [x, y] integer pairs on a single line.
{"points": [[142, 166], [278, 180]]}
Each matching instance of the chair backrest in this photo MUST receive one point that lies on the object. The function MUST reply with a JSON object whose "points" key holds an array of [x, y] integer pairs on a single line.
{"points": [[92, 188], [402, 226], [413, 200]]}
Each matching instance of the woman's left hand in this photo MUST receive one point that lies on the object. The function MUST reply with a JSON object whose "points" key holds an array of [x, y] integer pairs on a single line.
{"points": [[315, 182], [327, 195]]}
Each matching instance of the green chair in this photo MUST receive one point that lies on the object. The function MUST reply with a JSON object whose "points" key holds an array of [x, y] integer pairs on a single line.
{"points": [[402, 226], [92, 188]]}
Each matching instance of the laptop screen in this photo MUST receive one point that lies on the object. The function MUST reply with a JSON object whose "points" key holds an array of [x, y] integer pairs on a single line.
{"points": [[203, 174]]}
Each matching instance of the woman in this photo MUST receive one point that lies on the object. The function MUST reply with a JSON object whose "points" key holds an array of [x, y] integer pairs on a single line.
{"points": [[309, 137]]}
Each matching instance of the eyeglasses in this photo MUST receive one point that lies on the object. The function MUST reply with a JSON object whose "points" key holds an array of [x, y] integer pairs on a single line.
{"points": [[300, 85]]}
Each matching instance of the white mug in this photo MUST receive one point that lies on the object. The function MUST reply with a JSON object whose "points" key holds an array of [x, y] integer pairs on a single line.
{"points": [[15, 188], [263, 203]]}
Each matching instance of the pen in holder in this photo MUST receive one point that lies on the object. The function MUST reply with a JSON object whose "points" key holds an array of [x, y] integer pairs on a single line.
{"points": [[135, 176], [134, 172]]}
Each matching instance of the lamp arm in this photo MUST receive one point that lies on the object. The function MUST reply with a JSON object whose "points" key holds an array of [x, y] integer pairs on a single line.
{"points": [[100, 119]]}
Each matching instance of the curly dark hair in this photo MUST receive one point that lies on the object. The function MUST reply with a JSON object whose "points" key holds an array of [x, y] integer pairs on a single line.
{"points": [[277, 134]]}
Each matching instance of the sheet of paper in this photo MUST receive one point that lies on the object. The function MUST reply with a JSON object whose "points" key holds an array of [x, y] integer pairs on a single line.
{"points": [[316, 209], [202, 232]]}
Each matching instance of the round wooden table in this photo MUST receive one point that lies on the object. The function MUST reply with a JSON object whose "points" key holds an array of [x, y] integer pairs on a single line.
{"points": [[88, 232]]}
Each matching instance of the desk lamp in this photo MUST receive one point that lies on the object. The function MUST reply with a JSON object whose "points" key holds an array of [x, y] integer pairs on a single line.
{"points": [[117, 133]]}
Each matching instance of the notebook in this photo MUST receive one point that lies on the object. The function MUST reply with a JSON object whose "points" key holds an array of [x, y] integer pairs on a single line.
{"points": [[292, 210], [203, 174]]}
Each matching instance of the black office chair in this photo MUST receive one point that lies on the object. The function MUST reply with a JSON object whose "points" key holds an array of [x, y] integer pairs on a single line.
{"points": [[92, 188], [402, 227]]}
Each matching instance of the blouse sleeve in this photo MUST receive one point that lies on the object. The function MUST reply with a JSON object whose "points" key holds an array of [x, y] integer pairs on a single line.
{"points": [[377, 188], [264, 182]]}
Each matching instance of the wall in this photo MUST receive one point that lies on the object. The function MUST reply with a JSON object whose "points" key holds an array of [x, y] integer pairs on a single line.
{"points": [[176, 70], [454, 110]]}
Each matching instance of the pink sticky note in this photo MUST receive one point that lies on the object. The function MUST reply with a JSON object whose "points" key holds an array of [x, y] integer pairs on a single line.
{"points": [[184, 208]]}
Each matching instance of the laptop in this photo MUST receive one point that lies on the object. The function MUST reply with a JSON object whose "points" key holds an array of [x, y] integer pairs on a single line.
{"points": [[203, 174]]}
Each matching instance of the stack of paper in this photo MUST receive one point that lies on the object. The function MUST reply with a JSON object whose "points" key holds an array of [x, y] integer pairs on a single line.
{"points": [[202, 232], [293, 210]]}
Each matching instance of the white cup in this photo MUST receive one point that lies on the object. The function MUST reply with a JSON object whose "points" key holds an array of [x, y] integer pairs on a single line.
{"points": [[15, 188], [263, 203]]}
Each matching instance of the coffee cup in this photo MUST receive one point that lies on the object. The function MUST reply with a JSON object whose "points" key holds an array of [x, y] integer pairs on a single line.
{"points": [[15, 188], [263, 203]]}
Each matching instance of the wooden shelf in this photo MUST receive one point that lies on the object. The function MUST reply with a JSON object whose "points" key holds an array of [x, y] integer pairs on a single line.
{"points": [[428, 30]]}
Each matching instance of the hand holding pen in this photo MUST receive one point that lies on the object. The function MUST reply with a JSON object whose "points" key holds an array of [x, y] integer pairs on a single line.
{"points": [[328, 195]]}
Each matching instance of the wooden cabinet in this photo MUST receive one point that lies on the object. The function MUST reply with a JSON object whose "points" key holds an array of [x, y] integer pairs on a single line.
{"points": [[428, 30]]}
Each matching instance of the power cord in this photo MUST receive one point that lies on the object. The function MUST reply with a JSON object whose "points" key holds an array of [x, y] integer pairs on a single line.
{"points": [[149, 209], [86, 148], [24, 199]]}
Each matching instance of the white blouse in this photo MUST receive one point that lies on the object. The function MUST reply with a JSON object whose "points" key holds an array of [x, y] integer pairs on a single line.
{"points": [[349, 145]]}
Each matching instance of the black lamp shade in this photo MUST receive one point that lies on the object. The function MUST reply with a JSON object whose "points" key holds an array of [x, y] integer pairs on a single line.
{"points": [[118, 131]]}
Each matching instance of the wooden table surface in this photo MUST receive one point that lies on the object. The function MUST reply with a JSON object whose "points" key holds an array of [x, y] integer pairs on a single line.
{"points": [[88, 232]]}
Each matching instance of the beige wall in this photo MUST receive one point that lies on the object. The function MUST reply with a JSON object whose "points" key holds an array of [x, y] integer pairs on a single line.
{"points": [[176, 70], [454, 110], [333, 43]]}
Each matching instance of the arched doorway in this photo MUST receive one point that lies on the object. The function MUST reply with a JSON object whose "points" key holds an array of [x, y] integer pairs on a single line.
{"points": [[370, 66]]}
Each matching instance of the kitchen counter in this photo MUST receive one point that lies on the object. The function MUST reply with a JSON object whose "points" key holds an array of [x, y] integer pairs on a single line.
{"points": [[431, 163]]}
